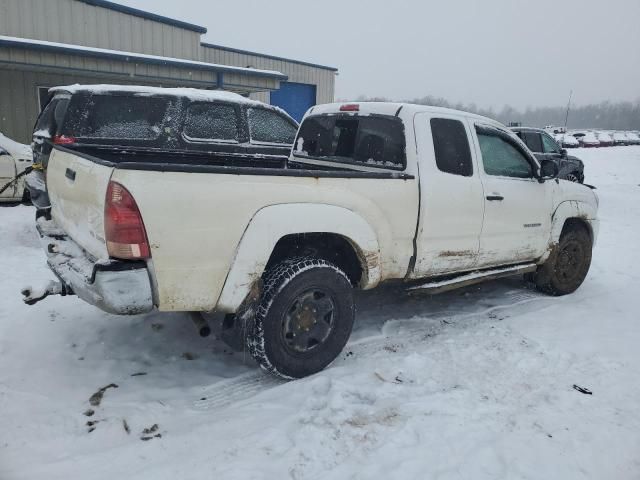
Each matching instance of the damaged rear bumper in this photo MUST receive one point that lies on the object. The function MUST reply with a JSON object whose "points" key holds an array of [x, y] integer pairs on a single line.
{"points": [[118, 287]]}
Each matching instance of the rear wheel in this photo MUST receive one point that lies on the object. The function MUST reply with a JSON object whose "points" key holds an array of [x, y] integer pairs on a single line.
{"points": [[304, 318], [566, 268]]}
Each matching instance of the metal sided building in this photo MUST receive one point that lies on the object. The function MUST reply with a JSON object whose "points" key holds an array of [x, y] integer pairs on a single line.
{"points": [[44, 43]]}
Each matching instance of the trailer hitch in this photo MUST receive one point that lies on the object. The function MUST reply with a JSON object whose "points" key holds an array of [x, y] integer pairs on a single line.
{"points": [[53, 287]]}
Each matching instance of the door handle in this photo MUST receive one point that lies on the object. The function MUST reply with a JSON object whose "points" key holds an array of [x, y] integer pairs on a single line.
{"points": [[493, 198], [70, 174]]}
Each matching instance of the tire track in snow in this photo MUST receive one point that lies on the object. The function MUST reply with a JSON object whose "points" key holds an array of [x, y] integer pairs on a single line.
{"points": [[415, 330]]}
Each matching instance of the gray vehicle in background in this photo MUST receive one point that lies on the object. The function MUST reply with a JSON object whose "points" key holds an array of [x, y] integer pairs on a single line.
{"points": [[545, 147]]}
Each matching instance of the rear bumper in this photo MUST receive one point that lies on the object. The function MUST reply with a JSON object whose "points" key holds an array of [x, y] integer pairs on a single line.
{"points": [[118, 287]]}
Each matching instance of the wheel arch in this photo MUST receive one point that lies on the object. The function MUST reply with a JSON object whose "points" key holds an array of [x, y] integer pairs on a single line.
{"points": [[276, 228], [571, 213]]}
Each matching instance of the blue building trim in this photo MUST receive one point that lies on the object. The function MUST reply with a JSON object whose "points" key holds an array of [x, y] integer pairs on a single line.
{"points": [[131, 57], [146, 15], [263, 55]]}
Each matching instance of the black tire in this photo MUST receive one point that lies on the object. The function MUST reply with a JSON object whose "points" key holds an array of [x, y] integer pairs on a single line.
{"points": [[568, 265], [309, 296]]}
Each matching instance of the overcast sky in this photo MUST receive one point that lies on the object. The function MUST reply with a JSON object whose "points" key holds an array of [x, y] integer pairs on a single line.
{"points": [[490, 52]]}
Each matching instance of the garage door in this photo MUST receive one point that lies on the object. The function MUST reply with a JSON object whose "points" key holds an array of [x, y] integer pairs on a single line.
{"points": [[294, 98]]}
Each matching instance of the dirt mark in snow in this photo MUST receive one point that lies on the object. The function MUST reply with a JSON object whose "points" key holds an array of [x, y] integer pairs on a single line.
{"points": [[96, 398]]}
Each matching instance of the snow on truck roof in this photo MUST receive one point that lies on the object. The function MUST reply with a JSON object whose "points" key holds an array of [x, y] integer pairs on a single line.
{"points": [[392, 108], [142, 90], [193, 94]]}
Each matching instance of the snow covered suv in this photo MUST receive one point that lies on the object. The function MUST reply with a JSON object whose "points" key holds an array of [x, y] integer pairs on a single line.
{"points": [[544, 147], [372, 192]]}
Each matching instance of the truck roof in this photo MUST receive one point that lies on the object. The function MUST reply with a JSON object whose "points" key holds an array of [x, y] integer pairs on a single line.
{"points": [[398, 108]]}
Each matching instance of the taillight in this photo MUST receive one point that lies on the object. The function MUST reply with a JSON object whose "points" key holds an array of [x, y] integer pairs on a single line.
{"points": [[123, 227], [63, 140], [350, 107]]}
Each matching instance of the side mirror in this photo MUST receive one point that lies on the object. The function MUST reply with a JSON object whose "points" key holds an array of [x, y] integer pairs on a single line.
{"points": [[548, 170]]}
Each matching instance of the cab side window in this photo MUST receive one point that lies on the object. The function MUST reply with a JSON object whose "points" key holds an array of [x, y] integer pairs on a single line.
{"points": [[501, 156], [549, 144], [451, 147], [211, 122]]}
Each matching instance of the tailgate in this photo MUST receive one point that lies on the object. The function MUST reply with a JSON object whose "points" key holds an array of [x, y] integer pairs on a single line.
{"points": [[77, 189]]}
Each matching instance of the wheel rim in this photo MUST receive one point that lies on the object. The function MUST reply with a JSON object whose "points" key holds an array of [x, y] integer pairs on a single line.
{"points": [[570, 261], [572, 178], [309, 320]]}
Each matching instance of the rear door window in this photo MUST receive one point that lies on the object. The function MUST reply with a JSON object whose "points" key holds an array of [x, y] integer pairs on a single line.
{"points": [[451, 146], [374, 141], [211, 122], [122, 117], [533, 141], [270, 126]]}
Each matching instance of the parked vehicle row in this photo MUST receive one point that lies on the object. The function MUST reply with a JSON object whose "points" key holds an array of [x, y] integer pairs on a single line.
{"points": [[151, 210], [596, 138]]}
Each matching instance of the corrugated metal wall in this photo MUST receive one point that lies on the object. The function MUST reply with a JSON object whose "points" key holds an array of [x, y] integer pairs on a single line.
{"points": [[114, 70], [324, 79], [69, 21]]}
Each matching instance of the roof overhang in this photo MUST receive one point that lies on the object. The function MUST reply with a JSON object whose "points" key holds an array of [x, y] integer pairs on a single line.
{"points": [[264, 55], [132, 57]]}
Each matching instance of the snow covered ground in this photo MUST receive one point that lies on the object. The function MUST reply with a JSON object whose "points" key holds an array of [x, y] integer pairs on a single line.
{"points": [[472, 384]]}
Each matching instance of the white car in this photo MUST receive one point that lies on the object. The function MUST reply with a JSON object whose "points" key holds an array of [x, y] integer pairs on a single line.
{"points": [[632, 138], [372, 192], [620, 138], [604, 138], [588, 140], [14, 159], [567, 140]]}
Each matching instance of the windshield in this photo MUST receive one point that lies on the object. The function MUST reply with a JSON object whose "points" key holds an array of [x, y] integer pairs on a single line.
{"points": [[375, 141]]}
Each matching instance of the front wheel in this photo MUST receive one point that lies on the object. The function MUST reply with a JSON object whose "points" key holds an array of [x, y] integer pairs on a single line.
{"points": [[573, 177], [304, 318], [568, 265]]}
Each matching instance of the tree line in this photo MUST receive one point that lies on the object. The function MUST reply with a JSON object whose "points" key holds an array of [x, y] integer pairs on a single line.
{"points": [[605, 115]]}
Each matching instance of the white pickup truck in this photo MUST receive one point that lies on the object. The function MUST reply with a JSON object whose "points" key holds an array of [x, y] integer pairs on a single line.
{"points": [[371, 192]]}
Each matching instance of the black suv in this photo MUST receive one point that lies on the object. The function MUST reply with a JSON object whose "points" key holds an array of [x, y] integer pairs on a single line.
{"points": [[118, 123], [544, 147]]}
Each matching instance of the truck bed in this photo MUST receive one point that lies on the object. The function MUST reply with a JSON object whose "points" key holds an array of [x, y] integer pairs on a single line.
{"points": [[195, 215]]}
